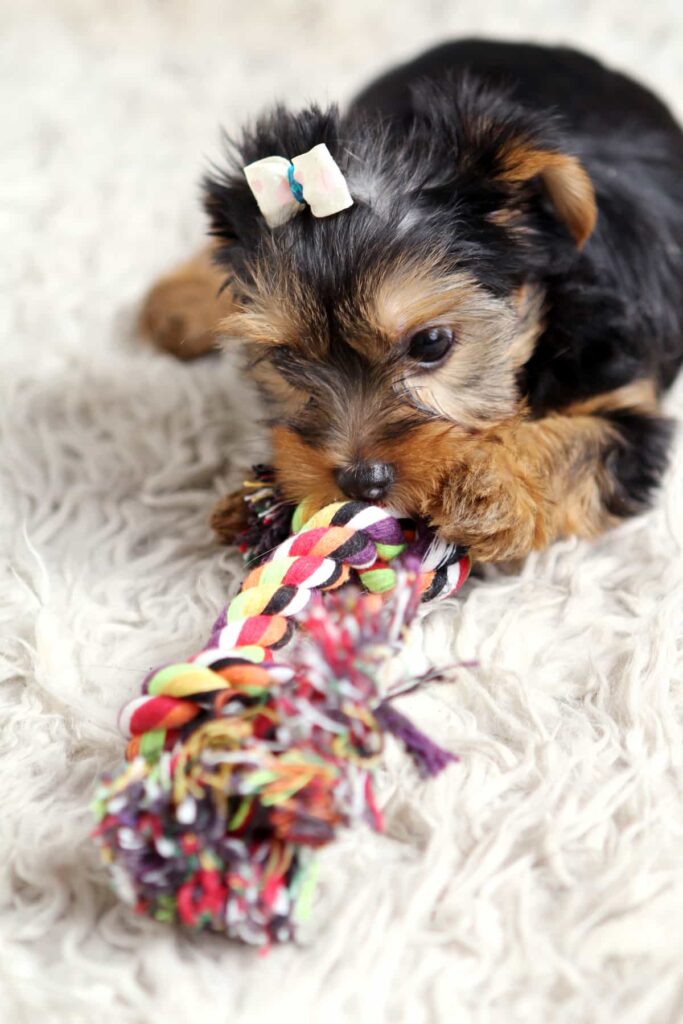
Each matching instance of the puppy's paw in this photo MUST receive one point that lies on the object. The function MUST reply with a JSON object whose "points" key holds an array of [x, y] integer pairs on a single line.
{"points": [[487, 507], [180, 314], [229, 517]]}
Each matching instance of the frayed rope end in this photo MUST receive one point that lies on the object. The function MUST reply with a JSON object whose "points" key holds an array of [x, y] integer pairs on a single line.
{"points": [[429, 757]]}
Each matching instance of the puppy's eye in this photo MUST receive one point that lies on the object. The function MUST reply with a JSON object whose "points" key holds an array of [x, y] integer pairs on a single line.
{"points": [[431, 345]]}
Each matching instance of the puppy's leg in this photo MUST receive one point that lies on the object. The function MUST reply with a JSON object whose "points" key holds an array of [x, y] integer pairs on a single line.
{"points": [[522, 485], [229, 516], [182, 310]]}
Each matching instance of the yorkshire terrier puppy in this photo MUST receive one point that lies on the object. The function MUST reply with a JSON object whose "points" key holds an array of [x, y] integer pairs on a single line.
{"points": [[482, 338]]}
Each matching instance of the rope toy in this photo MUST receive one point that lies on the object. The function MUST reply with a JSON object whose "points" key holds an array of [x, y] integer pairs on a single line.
{"points": [[240, 765]]}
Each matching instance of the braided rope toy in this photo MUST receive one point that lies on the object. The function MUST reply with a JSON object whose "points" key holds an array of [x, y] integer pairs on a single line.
{"points": [[240, 765]]}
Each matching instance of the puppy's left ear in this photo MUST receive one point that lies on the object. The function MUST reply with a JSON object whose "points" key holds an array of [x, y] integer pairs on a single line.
{"points": [[564, 179]]}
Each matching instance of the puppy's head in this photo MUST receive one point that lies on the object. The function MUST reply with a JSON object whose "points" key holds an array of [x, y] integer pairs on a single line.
{"points": [[383, 334]]}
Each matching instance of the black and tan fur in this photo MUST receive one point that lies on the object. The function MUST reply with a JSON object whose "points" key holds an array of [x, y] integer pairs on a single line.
{"points": [[529, 201]]}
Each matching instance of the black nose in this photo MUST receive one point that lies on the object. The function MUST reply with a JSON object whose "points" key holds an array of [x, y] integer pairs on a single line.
{"points": [[367, 481]]}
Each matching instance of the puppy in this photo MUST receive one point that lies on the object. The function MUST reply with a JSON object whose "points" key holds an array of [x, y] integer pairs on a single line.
{"points": [[482, 338]]}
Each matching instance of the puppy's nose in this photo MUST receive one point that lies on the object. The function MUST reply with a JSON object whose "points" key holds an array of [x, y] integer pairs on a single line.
{"points": [[367, 481]]}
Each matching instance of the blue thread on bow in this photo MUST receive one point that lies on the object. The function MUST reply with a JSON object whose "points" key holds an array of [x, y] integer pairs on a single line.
{"points": [[297, 189]]}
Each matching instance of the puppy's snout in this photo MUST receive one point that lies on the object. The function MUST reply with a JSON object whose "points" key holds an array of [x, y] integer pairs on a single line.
{"points": [[366, 481]]}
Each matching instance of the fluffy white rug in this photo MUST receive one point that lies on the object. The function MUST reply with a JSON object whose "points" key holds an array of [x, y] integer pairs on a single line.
{"points": [[539, 880]]}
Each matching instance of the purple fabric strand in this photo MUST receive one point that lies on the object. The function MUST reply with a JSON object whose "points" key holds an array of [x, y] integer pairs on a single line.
{"points": [[366, 554], [218, 625], [387, 531], [429, 756]]}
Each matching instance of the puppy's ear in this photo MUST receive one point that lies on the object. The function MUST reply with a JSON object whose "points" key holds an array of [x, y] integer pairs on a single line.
{"points": [[507, 151], [564, 179]]}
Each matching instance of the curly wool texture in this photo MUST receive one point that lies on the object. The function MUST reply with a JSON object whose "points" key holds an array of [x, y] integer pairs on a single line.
{"points": [[539, 880]]}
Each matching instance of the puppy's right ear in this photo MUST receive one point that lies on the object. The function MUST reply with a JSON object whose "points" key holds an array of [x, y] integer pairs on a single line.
{"points": [[564, 179], [517, 153]]}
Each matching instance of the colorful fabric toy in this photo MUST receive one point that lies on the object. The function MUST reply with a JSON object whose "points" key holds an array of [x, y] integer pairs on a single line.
{"points": [[240, 764]]}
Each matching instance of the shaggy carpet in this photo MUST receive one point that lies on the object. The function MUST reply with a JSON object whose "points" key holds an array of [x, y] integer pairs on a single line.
{"points": [[540, 879]]}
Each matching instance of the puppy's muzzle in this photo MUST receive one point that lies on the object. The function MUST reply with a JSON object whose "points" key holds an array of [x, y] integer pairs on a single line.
{"points": [[366, 481]]}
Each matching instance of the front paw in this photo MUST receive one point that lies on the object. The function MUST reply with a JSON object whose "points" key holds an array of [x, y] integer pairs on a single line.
{"points": [[490, 509], [179, 316], [230, 517]]}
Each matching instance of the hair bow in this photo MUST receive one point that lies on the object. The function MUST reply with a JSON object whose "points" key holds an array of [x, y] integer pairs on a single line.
{"points": [[281, 187]]}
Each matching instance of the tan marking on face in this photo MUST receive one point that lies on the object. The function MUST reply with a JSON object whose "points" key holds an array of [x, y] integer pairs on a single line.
{"points": [[411, 297], [276, 310], [422, 463], [566, 181], [303, 471], [281, 395], [421, 460], [476, 384], [263, 322]]}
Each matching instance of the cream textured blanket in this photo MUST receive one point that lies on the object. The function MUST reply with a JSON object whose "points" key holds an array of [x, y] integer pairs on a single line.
{"points": [[539, 881]]}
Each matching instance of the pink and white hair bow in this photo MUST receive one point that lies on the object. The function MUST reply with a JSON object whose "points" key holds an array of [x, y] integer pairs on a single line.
{"points": [[282, 187]]}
